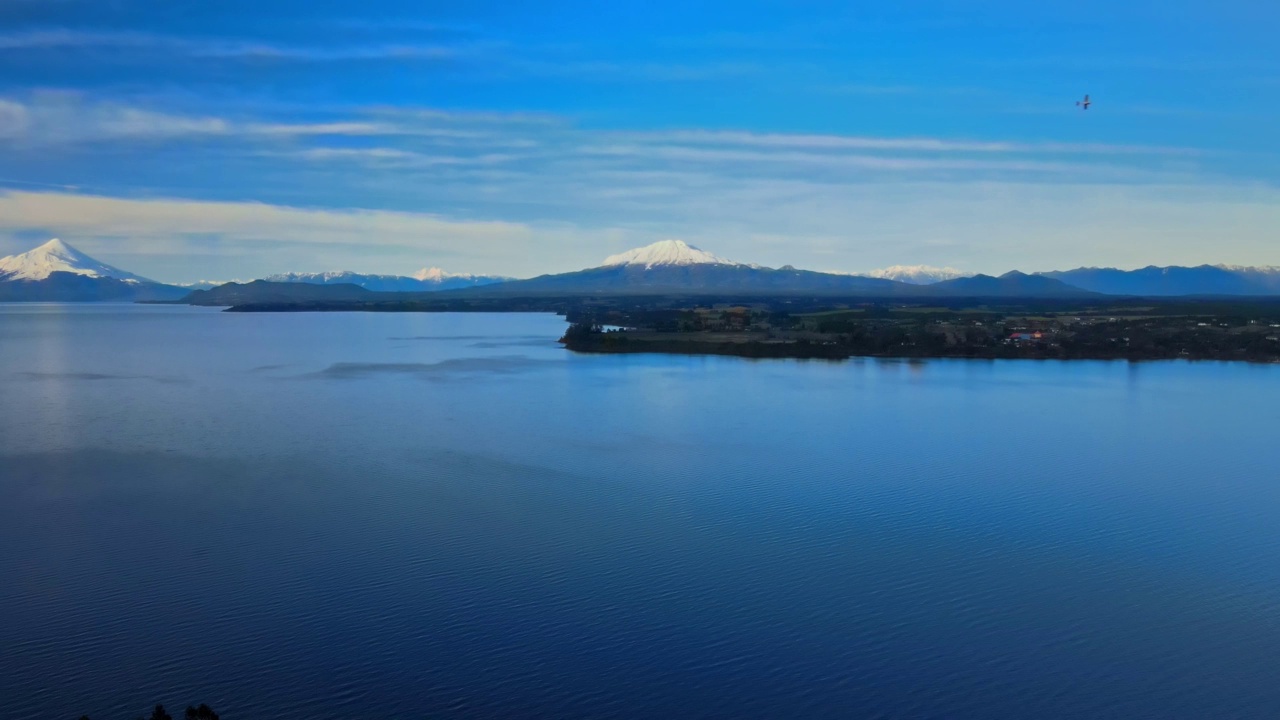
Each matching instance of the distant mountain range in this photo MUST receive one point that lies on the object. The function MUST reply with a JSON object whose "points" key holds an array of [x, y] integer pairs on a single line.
{"points": [[675, 267], [56, 271], [1170, 281], [266, 291], [425, 280], [916, 274], [1010, 284]]}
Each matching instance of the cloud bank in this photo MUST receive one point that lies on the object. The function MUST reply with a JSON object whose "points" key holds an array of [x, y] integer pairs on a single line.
{"points": [[247, 191]]}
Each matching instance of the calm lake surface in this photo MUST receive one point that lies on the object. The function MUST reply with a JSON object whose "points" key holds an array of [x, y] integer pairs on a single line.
{"points": [[448, 516]]}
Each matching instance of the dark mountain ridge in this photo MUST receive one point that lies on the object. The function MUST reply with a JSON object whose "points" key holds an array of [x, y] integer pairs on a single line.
{"points": [[73, 287], [1153, 281], [697, 279], [263, 291], [1010, 284]]}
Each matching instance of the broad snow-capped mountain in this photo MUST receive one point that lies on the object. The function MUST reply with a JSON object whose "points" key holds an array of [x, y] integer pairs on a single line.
{"points": [[1154, 281], [426, 279], [57, 256], [670, 267], [916, 274], [436, 275], [675, 267], [376, 283], [57, 272], [665, 253]]}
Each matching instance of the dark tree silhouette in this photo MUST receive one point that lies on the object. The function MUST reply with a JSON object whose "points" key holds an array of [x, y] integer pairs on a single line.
{"points": [[160, 714]]}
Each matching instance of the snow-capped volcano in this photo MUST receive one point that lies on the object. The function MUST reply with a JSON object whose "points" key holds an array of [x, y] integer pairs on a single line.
{"points": [[916, 274], [665, 253], [676, 267], [57, 272], [57, 256]]}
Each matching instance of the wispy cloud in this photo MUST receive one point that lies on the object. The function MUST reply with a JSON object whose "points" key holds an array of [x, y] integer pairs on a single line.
{"points": [[356, 128], [911, 144], [980, 226], [214, 47], [320, 54], [546, 163], [52, 117], [603, 71], [384, 189], [108, 216], [284, 238], [490, 58], [61, 38], [62, 117], [133, 122], [375, 153], [700, 155], [405, 158], [824, 142], [15, 119]]}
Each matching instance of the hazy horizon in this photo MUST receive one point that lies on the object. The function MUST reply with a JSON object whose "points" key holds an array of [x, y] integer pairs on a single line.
{"points": [[245, 140], [923, 274]]}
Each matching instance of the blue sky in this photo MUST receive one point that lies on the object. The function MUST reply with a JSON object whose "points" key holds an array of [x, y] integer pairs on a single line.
{"points": [[231, 140]]}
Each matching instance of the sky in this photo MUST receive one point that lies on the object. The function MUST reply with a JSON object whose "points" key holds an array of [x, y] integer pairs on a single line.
{"points": [[187, 141]]}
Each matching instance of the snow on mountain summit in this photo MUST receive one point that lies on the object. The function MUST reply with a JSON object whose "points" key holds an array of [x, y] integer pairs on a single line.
{"points": [[435, 274], [319, 278], [665, 252], [1253, 269], [916, 274], [57, 256], [424, 280]]}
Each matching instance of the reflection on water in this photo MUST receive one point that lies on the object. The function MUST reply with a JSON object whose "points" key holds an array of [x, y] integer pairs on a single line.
{"points": [[350, 515]]}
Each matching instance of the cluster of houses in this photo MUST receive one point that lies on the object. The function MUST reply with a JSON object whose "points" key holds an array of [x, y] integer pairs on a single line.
{"points": [[731, 318]]}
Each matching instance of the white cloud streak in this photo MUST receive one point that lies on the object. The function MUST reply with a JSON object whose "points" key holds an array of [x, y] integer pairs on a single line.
{"points": [[989, 227], [97, 215], [50, 118], [401, 157], [700, 155], [226, 48], [53, 118], [174, 226], [917, 144], [561, 196]]}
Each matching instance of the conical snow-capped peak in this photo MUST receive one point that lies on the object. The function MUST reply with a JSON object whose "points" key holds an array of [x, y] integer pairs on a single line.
{"points": [[57, 256], [666, 252]]}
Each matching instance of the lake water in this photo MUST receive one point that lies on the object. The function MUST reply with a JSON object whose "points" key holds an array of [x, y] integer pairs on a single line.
{"points": [[448, 516]]}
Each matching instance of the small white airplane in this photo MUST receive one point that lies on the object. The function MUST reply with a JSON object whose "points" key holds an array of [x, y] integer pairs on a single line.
{"points": [[1084, 104]]}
